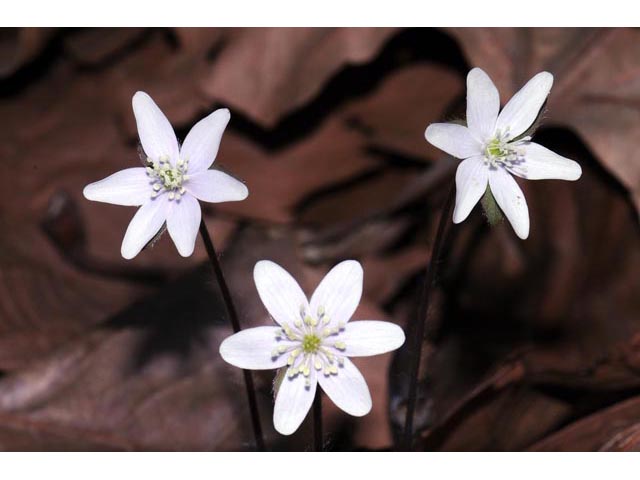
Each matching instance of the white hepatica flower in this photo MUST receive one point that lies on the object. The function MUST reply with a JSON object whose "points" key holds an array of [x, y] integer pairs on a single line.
{"points": [[313, 341], [492, 148], [168, 188]]}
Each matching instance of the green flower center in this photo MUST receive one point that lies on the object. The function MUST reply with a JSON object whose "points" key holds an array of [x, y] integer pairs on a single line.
{"points": [[311, 343], [495, 148], [167, 177], [501, 150], [171, 178]]}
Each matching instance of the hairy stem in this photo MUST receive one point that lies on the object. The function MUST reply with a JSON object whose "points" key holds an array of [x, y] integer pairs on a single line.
{"points": [[317, 421], [417, 330], [235, 324]]}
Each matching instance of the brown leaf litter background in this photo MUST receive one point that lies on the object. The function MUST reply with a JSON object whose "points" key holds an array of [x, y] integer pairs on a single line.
{"points": [[533, 345]]}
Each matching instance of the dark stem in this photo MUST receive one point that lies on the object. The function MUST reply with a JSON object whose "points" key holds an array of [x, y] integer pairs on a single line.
{"points": [[418, 328], [317, 421], [235, 324]]}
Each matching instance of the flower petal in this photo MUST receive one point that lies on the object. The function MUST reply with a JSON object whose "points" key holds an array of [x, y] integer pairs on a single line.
{"points": [[279, 292], [348, 389], [293, 402], [216, 186], [511, 200], [472, 176], [339, 292], [129, 187], [143, 226], [201, 145], [183, 221], [364, 338], [523, 108], [252, 348], [540, 163], [156, 133], [456, 140], [483, 104]]}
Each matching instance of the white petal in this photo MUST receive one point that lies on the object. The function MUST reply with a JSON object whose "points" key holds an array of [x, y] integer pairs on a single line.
{"points": [[456, 140], [293, 402], [215, 186], [511, 200], [252, 349], [279, 292], [523, 108], [483, 104], [201, 145], [339, 292], [540, 163], [143, 226], [348, 389], [183, 221], [472, 176], [371, 337], [156, 133], [129, 187]]}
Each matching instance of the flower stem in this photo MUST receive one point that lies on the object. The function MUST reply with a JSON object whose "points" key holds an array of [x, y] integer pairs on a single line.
{"points": [[235, 324], [418, 328], [317, 421]]}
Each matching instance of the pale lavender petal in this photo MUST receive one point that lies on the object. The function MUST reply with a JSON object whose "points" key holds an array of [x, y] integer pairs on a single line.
{"points": [[143, 226], [540, 163], [483, 104], [129, 187], [216, 186], [511, 200], [348, 389], [339, 292], [252, 349], [183, 221], [156, 133], [523, 108], [201, 145], [472, 176], [456, 140], [279, 292], [364, 338], [293, 401]]}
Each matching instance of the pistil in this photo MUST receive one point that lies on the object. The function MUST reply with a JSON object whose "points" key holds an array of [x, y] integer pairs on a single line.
{"points": [[167, 177]]}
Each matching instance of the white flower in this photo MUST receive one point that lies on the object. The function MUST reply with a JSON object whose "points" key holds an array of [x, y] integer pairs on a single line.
{"points": [[313, 341], [168, 188], [492, 148]]}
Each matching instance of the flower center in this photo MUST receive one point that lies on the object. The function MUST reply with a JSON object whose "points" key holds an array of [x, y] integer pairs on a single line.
{"points": [[496, 148], [501, 151], [167, 177], [310, 343]]}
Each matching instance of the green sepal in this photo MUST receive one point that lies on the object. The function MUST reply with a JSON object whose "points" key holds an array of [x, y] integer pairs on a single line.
{"points": [[491, 209], [277, 381]]}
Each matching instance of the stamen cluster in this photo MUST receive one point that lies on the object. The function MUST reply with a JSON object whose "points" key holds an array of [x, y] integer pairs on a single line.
{"points": [[310, 343], [167, 177], [501, 151]]}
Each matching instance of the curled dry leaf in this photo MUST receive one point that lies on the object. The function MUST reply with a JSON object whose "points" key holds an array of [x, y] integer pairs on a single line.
{"points": [[267, 73], [18, 46]]}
